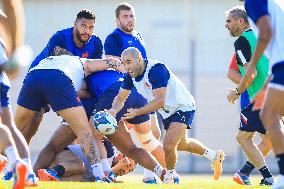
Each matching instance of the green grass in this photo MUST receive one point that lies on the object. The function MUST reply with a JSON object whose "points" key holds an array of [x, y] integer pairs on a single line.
{"points": [[134, 182]]}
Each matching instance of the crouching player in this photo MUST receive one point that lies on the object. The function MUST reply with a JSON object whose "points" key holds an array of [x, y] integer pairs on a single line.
{"points": [[72, 165]]}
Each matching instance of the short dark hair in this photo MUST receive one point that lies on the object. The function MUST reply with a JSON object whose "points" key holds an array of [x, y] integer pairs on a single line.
{"points": [[85, 13], [123, 6]]}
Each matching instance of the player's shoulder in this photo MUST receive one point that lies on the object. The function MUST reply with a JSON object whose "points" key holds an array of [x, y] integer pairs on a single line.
{"points": [[115, 34]]}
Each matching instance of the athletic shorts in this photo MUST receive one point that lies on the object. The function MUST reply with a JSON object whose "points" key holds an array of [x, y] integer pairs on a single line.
{"points": [[180, 117], [42, 87], [89, 105], [250, 120], [4, 95], [134, 100], [277, 80]]}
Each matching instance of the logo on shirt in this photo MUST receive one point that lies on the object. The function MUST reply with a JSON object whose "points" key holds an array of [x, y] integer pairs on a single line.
{"points": [[148, 85], [129, 42], [85, 55]]}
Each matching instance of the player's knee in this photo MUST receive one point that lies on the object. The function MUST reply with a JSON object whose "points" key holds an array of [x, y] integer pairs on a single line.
{"points": [[241, 138], [169, 146], [148, 141], [4, 130]]}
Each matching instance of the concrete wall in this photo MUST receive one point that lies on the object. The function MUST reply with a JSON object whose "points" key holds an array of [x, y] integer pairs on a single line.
{"points": [[184, 34]]}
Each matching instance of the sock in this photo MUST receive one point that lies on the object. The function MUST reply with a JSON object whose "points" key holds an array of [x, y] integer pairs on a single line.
{"points": [[12, 157], [2, 157], [110, 160], [158, 170], [29, 163], [59, 169], [210, 154], [247, 168], [171, 173], [98, 170], [105, 165], [265, 172], [148, 173], [280, 158]]}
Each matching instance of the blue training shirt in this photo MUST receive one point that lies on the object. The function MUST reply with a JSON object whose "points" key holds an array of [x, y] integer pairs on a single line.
{"points": [[98, 82], [92, 49], [256, 8], [118, 41]]}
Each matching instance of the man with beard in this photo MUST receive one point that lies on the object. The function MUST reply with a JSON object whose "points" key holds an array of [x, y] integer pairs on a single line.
{"points": [[122, 37], [238, 26]]}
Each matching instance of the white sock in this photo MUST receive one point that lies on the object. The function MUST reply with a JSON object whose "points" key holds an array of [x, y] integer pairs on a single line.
{"points": [[106, 165], [210, 154], [2, 157], [148, 173], [110, 160], [158, 170], [171, 173], [29, 163], [98, 170], [12, 157]]}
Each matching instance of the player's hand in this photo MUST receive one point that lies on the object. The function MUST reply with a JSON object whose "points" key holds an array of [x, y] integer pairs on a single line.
{"points": [[232, 95], [111, 111], [131, 113]]}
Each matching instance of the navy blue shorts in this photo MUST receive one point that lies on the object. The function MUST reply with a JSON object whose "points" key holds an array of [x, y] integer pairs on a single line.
{"points": [[4, 95], [135, 100], [278, 75], [89, 105], [250, 121], [180, 117], [42, 87]]}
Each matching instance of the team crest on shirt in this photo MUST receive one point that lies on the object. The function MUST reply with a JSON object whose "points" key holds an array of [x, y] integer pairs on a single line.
{"points": [[85, 54], [129, 42]]}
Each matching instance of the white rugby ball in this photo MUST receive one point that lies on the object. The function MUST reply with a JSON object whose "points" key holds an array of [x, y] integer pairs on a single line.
{"points": [[105, 123]]}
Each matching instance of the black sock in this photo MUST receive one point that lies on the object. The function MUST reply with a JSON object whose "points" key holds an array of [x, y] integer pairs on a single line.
{"points": [[265, 172], [59, 169], [247, 168], [280, 158]]}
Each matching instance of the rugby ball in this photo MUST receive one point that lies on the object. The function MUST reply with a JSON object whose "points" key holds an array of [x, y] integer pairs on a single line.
{"points": [[105, 123]]}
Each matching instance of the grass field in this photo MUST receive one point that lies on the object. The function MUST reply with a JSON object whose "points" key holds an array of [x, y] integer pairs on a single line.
{"points": [[134, 182]]}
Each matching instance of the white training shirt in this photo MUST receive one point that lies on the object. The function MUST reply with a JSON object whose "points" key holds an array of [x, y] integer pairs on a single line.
{"points": [[71, 66], [178, 96]]}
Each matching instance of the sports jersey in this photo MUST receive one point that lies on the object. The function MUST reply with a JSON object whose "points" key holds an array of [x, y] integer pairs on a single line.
{"points": [[157, 75], [275, 9], [71, 66], [92, 49], [118, 41], [244, 47], [99, 82]]}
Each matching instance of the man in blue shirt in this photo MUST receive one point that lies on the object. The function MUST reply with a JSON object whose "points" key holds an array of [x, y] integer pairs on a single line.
{"points": [[122, 37]]}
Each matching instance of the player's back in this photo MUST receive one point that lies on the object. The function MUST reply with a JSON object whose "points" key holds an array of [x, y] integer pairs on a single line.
{"points": [[71, 66], [99, 82]]}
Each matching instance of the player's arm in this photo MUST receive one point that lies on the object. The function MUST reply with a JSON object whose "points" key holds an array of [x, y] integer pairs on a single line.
{"points": [[234, 76], [233, 72], [94, 65], [123, 94], [13, 24], [158, 102], [158, 77]]}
